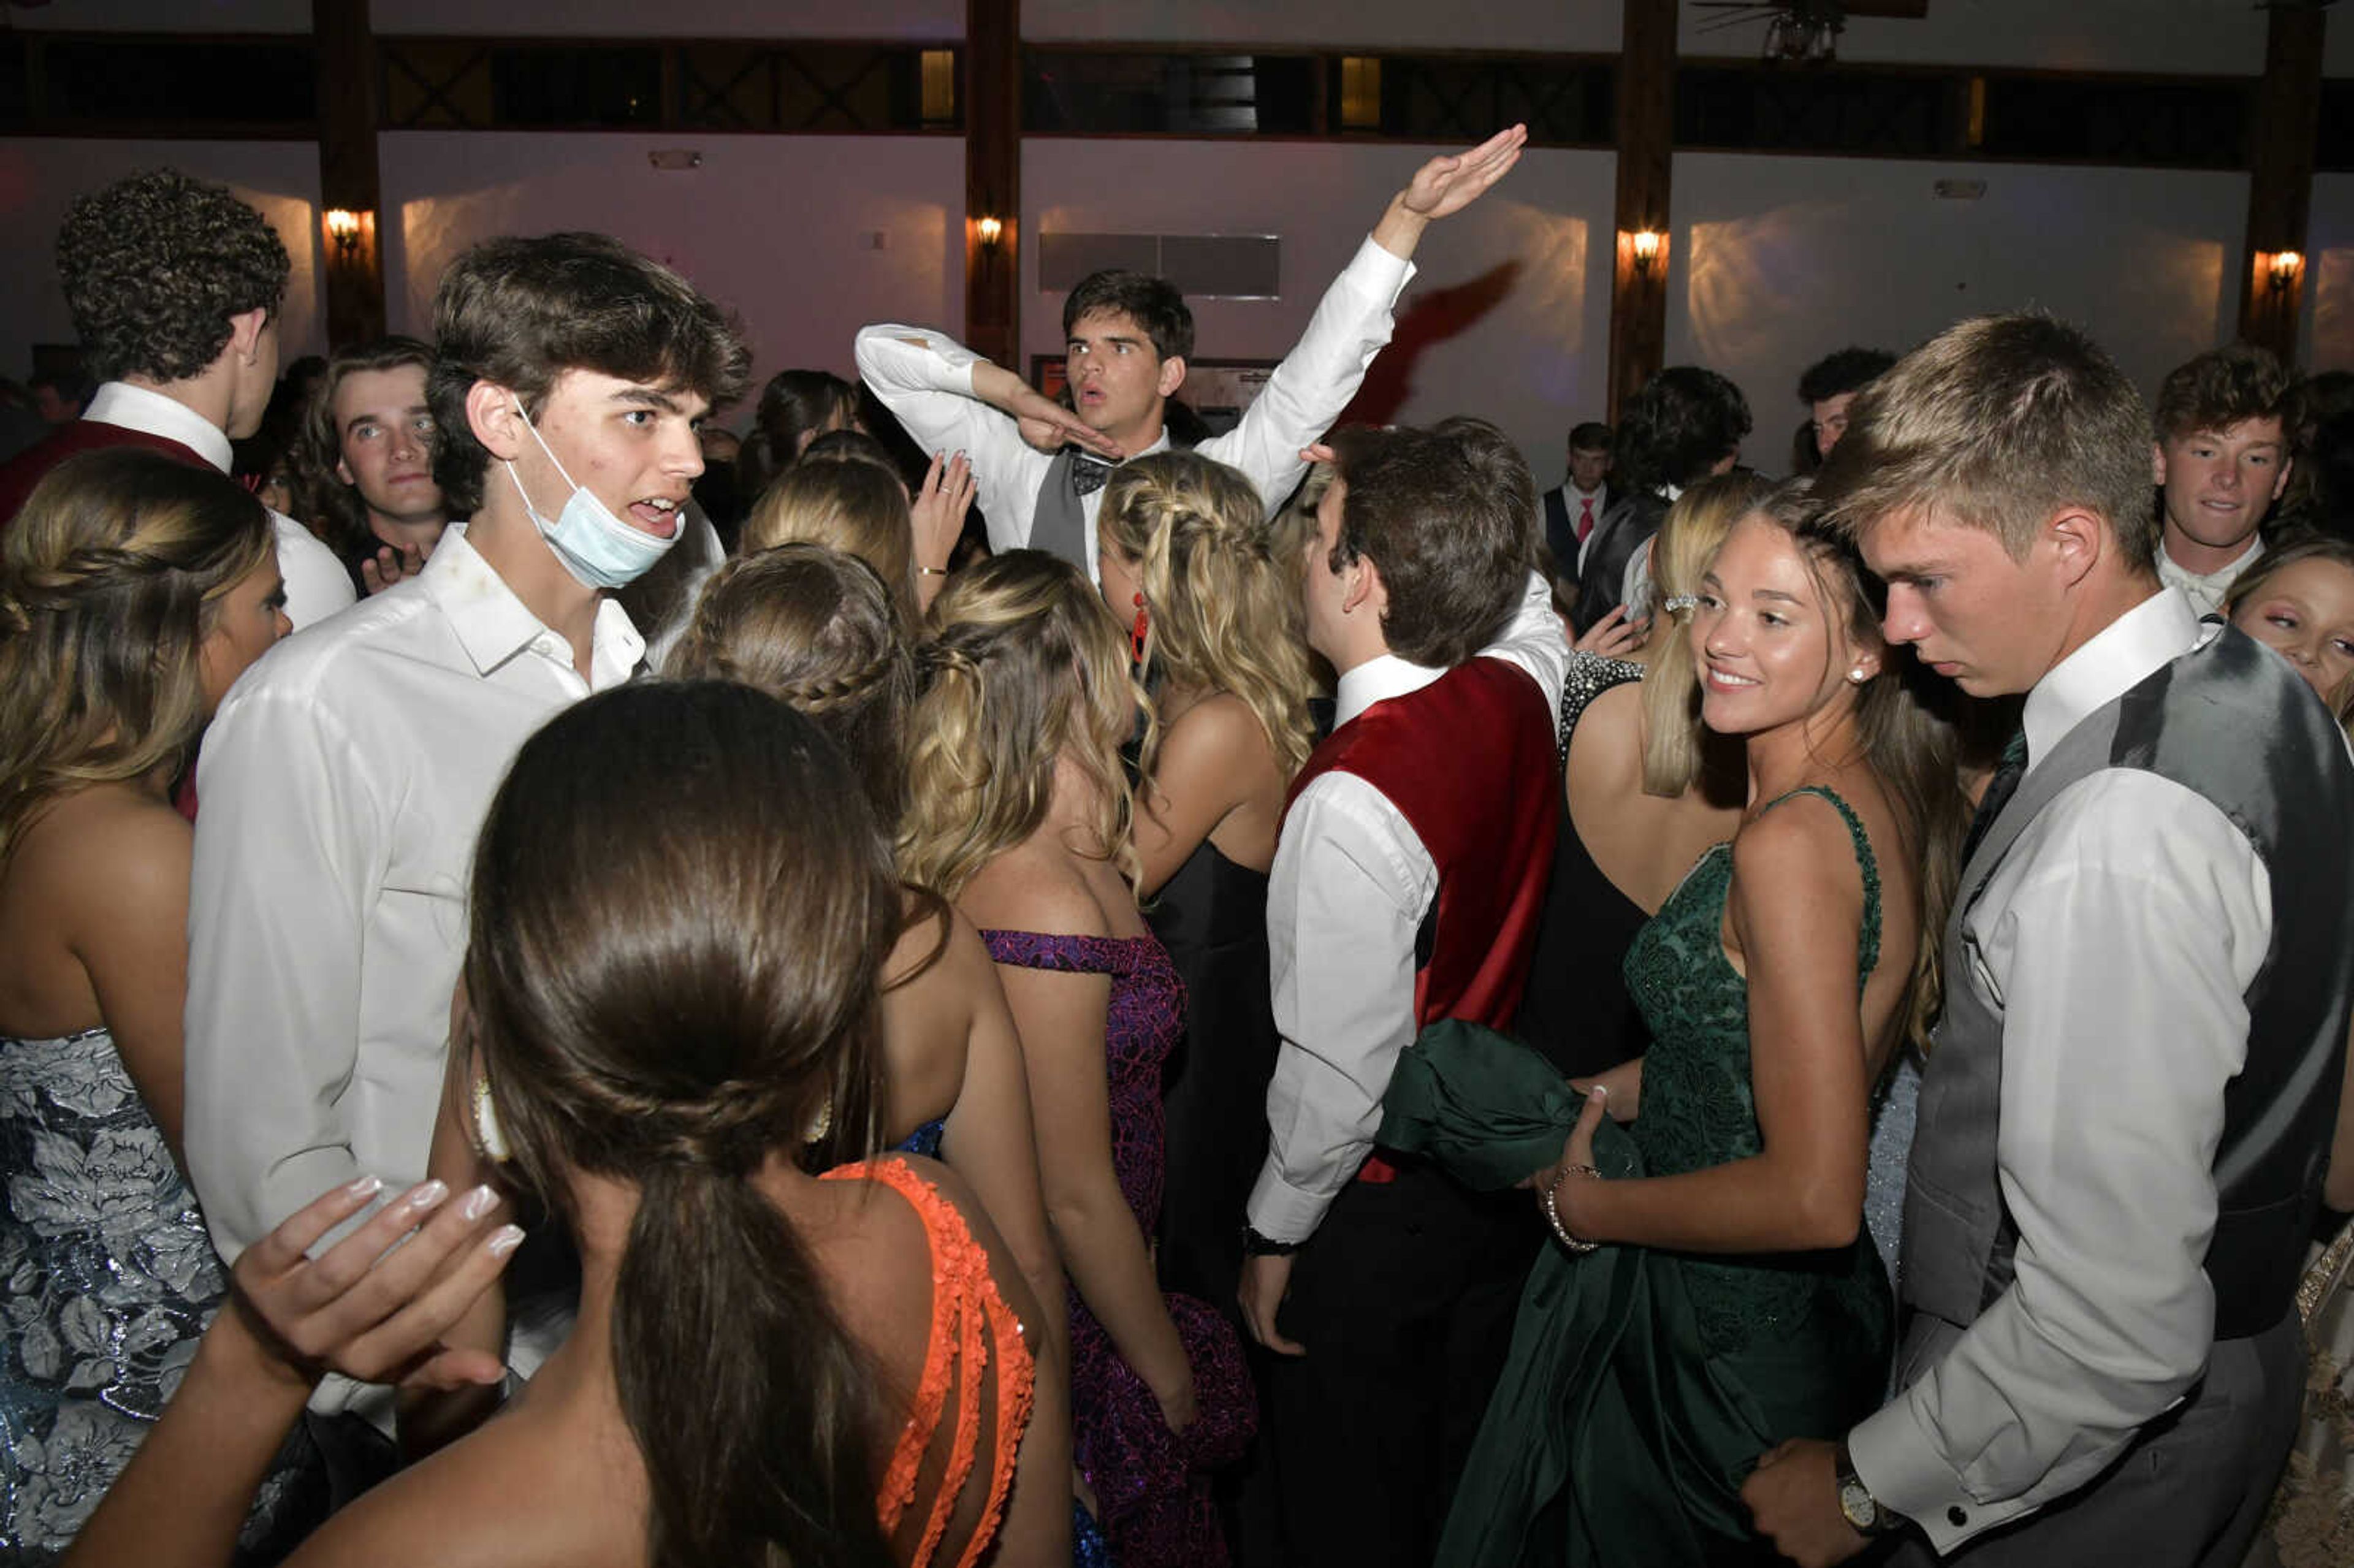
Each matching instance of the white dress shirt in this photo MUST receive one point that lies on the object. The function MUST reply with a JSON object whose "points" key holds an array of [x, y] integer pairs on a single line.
{"points": [[1345, 898], [2207, 592], [2120, 934], [316, 584], [925, 378], [343, 782]]}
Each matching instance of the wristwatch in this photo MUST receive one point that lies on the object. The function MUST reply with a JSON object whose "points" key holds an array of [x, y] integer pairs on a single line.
{"points": [[1863, 1510], [1257, 1246]]}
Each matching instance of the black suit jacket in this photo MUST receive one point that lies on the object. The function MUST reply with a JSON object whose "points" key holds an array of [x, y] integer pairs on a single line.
{"points": [[1629, 522]]}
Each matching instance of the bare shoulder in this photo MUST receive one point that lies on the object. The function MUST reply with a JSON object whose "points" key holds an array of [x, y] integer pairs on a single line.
{"points": [[107, 847], [1221, 727], [1795, 855], [1606, 746], [1035, 888]]}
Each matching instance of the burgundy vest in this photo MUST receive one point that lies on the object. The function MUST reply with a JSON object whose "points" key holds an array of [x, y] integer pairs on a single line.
{"points": [[1469, 762], [29, 467]]}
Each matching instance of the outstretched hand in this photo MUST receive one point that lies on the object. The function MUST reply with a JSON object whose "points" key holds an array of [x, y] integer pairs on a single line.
{"points": [[374, 1305], [938, 512], [1447, 186]]}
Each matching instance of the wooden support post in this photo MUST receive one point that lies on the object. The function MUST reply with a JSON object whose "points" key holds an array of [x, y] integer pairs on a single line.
{"points": [[993, 180], [2288, 122], [348, 170], [1638, 281]]}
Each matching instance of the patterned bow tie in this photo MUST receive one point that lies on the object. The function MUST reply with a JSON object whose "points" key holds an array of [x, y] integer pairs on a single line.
{"points": [[1089, 474]]}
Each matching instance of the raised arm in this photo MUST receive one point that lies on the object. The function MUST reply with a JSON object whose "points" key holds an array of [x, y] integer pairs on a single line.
{"points": [[1353, 322]]}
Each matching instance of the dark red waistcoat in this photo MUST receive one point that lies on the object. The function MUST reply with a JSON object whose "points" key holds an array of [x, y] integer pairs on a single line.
{"points": [[1469, 762], [29, 467]]}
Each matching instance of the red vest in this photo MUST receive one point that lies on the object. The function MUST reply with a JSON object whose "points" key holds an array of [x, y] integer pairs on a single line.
{"points": [[29, 467], [1469, 762]]}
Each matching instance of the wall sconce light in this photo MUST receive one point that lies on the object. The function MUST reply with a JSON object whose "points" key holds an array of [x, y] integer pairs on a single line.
{"points": [[343, 229], [2283, 269], [990, 231], [1643, 248]]}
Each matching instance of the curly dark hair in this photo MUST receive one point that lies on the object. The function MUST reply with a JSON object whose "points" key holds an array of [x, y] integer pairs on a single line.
{"points": [[1848, 370], [1153, 304], [2223, 388], [520, 313], [1682, 423], [154, 266]]}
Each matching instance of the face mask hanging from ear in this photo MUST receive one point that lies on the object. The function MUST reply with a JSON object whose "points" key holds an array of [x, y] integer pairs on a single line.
{"points": [[598, 548]]}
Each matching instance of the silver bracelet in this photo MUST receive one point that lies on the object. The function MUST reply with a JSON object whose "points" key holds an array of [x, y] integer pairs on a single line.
{"points": [[1553, 1207]]}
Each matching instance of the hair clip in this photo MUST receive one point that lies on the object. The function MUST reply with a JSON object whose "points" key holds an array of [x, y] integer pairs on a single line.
{"points": [[1677, 603]]}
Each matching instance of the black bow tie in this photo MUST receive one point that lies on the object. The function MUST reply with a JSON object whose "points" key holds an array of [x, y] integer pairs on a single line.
{"points": [[1089, 474]]}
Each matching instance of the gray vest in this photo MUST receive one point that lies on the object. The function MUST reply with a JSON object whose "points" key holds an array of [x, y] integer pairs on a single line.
{"points": [[1059, 523], [2235, 724]]}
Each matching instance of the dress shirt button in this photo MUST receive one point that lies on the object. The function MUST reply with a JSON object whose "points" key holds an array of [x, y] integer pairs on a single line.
{"points": [[1956, 1517]]}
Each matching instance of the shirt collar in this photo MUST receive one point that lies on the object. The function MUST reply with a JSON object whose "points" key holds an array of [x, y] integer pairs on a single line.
{"points": [[129, 408], [493, 625], [2160, 629], [1377, 680], [2173, 571]]}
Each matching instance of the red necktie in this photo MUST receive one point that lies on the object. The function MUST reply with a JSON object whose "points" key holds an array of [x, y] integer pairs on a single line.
{"points": [[1584, 517]]}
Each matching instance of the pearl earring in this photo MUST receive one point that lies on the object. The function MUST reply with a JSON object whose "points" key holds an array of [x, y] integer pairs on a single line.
{"points": [[1859, 675]]}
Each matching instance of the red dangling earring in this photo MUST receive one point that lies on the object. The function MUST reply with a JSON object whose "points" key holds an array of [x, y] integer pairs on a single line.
{"points": [[1137, 633]]}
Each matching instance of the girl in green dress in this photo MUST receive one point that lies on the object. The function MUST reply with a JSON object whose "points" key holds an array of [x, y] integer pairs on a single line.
{"points": [[1714, 1292]]}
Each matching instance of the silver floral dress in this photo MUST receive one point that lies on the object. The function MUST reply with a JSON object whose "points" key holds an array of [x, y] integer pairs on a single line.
{"points": [[107, 1278]]}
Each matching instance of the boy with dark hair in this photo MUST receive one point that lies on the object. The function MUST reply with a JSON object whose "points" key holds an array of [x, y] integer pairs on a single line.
{"points": [[343, 784], [1828, 388], [2146, 974], [1577, 505], [1405, 888], [362, 461], [1686, 424], [1040, 467], [2221, 459], [175, 287]]}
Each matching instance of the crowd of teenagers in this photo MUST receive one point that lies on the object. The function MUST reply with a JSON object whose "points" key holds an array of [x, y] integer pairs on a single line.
{"points": [[978, 977]]}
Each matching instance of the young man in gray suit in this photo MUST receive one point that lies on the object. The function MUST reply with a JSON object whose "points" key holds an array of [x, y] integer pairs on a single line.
{"points": [[2146, 970]]}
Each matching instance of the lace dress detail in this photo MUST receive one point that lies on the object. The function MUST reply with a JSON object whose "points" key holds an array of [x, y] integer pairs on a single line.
{"points": [[1152, 1484], [1700, 1109], [974, 1345], [107, 1278]]}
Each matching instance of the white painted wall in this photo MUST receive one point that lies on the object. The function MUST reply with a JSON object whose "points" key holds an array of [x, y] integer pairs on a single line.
{"points": [[1508, 317], [1550, 25], [779, 228], [1779, 260], [2328, 343], [39, 176], [2193, 35], [672, 19]]}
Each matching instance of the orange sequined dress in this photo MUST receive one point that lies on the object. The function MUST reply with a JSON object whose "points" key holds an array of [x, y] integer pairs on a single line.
{"points": [[973, 1351]]}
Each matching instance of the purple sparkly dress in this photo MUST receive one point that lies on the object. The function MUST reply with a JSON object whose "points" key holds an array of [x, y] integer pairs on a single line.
{"points": [[1152, 1484]]}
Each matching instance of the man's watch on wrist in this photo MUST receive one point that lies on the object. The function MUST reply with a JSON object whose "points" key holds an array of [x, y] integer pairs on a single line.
{"points": [[1257, 1246], [1855, 1502]]}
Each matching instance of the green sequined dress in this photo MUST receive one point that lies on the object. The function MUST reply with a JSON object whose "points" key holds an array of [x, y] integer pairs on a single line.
{"points": [[1643, 1384]]}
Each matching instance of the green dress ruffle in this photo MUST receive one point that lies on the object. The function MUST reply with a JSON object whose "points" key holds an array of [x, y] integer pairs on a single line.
{"points": [[1642, 1385]]}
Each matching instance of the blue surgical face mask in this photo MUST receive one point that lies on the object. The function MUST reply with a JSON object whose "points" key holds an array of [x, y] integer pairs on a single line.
{"points": [[598, 548]]}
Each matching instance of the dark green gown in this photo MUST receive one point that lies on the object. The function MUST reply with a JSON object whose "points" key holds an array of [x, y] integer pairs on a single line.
{"points": [[1643, 1384]]}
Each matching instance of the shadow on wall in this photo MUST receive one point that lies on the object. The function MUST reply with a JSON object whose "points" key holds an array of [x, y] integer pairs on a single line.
{"points": [[1431, 318]]}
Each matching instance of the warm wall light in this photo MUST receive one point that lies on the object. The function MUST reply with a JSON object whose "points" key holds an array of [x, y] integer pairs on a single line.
{"points": [[2283, 269], [1643, 248], [990, 231], [343, 229]]}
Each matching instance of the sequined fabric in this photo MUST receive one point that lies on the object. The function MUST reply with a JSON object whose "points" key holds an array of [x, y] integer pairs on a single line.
{"points": [[1152, 1484]]}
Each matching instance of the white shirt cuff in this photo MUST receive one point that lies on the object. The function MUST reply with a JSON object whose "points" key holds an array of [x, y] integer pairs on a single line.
{"points": [[1895, 1458]]}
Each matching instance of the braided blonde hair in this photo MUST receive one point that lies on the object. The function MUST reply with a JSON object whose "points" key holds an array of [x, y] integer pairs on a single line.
{"points": [[1025, 665], [1223, 608], [110, 580], [817, 628]]}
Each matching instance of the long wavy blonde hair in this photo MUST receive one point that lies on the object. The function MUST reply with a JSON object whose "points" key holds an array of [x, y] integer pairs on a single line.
{"points": [[1689, 537], [110, 578], [1024, 666], [1223, 609]]}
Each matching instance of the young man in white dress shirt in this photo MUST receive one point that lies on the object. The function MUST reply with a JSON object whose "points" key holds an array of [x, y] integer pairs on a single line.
{"points": [[343, 784], [1405, 888], [2147, 973], [175, 287], [2221, 459], [1040, 467]]}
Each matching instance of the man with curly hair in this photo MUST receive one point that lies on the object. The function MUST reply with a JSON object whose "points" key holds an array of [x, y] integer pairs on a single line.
{"points": [[2220, 458], [175, 287]]}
